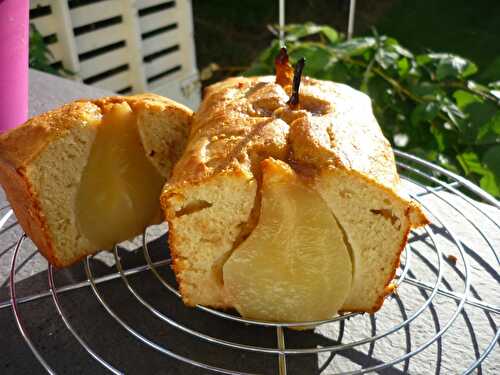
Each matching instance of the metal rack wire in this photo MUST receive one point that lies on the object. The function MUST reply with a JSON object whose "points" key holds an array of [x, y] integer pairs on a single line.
{"points": [[432, 180]]}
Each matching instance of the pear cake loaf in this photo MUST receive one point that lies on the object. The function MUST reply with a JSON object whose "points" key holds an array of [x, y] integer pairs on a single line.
{"points": [[89, 174], [286, 213]]}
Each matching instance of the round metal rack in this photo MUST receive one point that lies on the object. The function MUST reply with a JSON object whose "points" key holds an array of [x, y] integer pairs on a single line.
{"points": [[431, 180]]}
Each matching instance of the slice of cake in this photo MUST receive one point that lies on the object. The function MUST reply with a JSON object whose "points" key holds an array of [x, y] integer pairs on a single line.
{"points": [[89, 174], [235, 237]]}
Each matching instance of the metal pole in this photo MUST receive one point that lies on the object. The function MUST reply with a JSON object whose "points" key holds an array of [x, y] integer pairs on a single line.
{"points": [[282, 22], [350, 27]]}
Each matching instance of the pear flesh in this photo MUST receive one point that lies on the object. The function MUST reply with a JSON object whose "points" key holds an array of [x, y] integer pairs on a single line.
{"points": [[118, 194], [294, 266]]}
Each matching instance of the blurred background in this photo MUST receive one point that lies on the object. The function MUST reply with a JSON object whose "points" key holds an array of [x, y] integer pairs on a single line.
{"points": [[233, 33], [431, 68]]}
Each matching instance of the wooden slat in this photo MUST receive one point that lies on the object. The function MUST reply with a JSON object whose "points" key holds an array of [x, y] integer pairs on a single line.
{"points": [[87, 14], [172, 87], [46, 25], [156, 20], [166, 80], [187, 44], [163, 63], [116, 82], [104, 62], [65, 36], [99, 38], [161, 41], [39, 3], [134, 45], [57, 51], [141, 4]]}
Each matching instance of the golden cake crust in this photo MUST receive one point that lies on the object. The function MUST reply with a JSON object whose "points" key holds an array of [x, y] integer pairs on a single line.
{"points": [[242, 108]]}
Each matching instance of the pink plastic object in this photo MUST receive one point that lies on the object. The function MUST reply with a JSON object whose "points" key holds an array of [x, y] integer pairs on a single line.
{"points": [[14, 40]]}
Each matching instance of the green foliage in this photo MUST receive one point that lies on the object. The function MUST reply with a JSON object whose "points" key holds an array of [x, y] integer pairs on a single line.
{"points": [[40, 57], [426, 104]]}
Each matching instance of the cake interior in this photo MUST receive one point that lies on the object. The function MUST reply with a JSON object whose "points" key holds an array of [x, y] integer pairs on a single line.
{"points": [[118, 194]]}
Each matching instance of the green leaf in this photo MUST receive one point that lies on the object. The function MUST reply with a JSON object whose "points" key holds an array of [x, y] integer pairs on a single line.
{"points": [[471, 164], [426, 90], [355, 46], [489, 177], [294, 32], [491, 184], [330, 33], [491, 181], [465, 98], [491, 159], [318, 58], [440, 138], [270, 53], [402, 51], [258, 69], [452, 111], [424, 112], [489, 132], [452, 66], [338, 72], [424, 153], [386, 58], [448, 65], [403, 67], [482, 122]]}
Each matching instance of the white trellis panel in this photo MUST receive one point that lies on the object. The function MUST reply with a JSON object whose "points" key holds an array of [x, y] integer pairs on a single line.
{"points": [[127, 46]]}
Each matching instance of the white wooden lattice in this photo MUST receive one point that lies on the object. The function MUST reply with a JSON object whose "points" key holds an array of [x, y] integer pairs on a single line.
{"points": [[126, 46]]}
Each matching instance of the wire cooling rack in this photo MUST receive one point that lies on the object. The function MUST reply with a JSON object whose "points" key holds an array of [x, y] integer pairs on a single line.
{"points": [[434, 289]]}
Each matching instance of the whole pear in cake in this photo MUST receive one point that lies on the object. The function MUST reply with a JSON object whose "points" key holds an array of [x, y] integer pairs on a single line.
{"points": [[286, 205], [88, 175], [295, 254]]}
